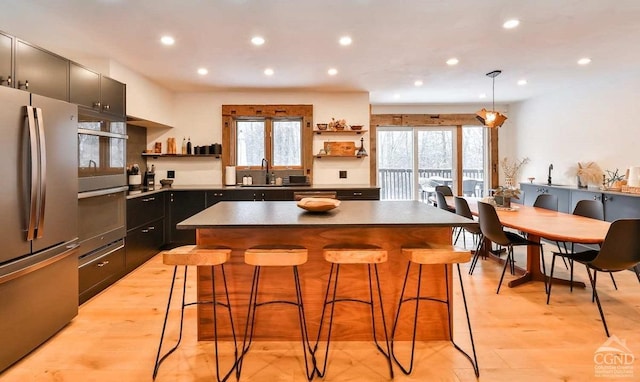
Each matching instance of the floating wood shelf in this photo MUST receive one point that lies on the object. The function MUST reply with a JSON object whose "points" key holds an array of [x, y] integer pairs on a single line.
{"points": [[155, 155], [350, 132]]}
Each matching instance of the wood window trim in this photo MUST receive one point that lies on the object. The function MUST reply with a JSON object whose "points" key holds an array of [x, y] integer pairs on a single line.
{"points": [[233, 112], [432, 120]]}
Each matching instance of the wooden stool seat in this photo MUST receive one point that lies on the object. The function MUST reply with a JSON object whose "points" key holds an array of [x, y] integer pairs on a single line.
{"points": [[354, 254], [276, 256], [437, 254], [195, 255]]}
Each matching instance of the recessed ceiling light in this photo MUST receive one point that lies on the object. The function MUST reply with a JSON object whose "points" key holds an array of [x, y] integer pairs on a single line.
{"points": [[482, 95], [268, 72], [257, 40], [510, 24], [203, 71], [167, 40], [452, 61], [522, 82], [345, 40], [418, 83], [332, 71], [584, 61]]}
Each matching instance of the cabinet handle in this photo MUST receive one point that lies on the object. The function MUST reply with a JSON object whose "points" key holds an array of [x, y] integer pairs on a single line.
{"points": [[25, 84], [357, 194], [8, 81], [96, 105], [102, 264], [149, 199], [607, 198], [106, 107]]}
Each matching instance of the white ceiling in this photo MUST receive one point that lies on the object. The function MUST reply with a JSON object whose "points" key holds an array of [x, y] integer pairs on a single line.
{"points": [[395, 42]]}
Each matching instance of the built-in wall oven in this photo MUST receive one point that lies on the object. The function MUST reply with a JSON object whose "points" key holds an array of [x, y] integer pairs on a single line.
{"points": [[102, 192], [101, 151]]}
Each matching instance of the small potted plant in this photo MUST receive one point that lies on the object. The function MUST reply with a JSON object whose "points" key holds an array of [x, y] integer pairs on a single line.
{"points": [[503, 195]]}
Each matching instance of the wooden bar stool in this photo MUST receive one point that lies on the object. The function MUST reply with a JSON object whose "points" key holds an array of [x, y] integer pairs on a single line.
{"points": [[338, 255], [431, 254], [199, 256], [272, 256]]}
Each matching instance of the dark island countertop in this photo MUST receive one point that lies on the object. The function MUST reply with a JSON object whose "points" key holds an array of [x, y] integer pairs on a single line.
{"points": [[349, 213]]}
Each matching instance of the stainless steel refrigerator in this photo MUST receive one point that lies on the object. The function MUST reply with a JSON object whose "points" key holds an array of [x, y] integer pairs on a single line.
{"points": [[38, 220]]}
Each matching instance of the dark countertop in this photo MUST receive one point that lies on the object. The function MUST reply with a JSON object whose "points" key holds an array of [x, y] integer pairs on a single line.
{"points": [[349, 213], [207, 187]]}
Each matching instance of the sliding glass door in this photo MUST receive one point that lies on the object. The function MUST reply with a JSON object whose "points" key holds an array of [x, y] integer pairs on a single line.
{"points": [[413, 160]]}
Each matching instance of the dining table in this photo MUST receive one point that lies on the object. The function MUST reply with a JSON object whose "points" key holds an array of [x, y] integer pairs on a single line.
{"points": [[540, 223], [386, 224]]}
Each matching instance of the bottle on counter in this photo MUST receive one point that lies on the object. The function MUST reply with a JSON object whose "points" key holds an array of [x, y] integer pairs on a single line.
{"points": [[184, 145], [245, 180], [189, 150], [273, 178]]}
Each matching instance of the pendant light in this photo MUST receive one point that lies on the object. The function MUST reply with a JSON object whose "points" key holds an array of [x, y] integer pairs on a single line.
{"points": [[492, 118]]}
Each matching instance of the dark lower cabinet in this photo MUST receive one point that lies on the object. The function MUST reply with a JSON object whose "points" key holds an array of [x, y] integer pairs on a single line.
{"points": [[100, 269], [180, 206], [359, 194], [621, 207], [531, 192], [143, 243]]}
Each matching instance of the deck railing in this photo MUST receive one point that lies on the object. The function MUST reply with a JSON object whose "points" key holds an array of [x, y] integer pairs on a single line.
{"points": [[397, 184]]}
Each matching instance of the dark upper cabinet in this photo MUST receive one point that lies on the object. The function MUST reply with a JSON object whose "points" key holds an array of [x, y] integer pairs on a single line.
{"points": [[112, 96], [41, 72], [84, 86], [95, 91], [5, 60]]}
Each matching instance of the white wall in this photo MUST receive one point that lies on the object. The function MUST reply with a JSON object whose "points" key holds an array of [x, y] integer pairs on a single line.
{"points": [[198, 115], [595, 122]]}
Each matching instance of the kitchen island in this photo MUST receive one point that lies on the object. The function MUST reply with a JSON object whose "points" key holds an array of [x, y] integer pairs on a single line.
{"points": [[388, 224]]}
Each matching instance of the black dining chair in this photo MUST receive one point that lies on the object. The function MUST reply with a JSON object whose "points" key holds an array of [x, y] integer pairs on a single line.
{"points": [[620, 251], [546, 201], [446, 190], [591, 209], [441, 202], [492, 229], [462, 209]]}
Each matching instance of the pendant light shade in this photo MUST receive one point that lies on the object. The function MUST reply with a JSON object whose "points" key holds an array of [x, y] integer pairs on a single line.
{"points": [[492, 118]]}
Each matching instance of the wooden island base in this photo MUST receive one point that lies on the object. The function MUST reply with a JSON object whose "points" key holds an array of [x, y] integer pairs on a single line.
{"points": [[352, 322]]}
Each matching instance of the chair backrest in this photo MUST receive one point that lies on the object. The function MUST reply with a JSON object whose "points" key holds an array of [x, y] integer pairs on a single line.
{"points": [[469, 187], [441, 202], [621, 247], [589, 208], [462, 209], [490, 224], [546, 201], [446, 190]]}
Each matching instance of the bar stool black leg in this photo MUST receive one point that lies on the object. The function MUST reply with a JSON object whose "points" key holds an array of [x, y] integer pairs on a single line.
{"points": [[474, 361], [386, 353], [166, 316], [304, 334], [215, 325], [333, 273], [251, 315], [404, 369]]}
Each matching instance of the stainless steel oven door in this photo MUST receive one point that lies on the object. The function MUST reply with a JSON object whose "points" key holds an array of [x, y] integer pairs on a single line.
{"points": [[101, 217], [101, 152]]}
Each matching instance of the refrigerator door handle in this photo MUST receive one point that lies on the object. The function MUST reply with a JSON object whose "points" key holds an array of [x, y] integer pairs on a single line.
{"points": [[43, 172], [33, 193]]}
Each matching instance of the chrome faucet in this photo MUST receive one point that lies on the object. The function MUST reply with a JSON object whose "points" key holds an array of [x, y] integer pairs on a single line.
{"points": [[549, 178], [262, 166]]}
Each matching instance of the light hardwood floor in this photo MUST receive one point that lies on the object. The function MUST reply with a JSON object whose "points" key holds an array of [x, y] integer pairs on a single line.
{"points": [[518, 337]]}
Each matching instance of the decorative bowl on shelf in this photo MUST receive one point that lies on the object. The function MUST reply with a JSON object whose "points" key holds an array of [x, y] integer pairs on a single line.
{"points": [[166, 182], [322, 126], [318, 204], [356, 127]]}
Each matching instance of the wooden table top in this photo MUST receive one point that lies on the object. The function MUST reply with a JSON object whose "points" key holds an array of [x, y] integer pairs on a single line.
{"points": [[552, 225]]}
